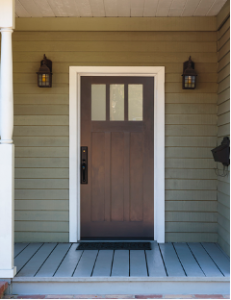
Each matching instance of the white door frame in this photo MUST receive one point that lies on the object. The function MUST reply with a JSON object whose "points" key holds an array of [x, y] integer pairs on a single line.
{"points": [[75, 73]]}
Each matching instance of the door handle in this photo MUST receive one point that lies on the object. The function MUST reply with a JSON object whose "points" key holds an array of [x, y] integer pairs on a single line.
{"points": [[84, 165], [84, 172]]}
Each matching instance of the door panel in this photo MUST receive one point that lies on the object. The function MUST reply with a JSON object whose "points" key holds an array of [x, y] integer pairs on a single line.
{"points": [[97, 174], [136, 177], [118, 201], [117, 176]]}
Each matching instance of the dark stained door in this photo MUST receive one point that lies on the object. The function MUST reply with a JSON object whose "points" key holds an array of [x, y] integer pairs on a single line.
{"points": [[117, 127]]}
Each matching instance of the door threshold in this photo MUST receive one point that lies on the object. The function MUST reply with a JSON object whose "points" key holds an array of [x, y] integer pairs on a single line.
{"points": [[115, 240]]}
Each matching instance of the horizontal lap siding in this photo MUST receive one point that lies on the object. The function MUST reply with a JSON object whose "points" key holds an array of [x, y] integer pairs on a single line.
{"points": [[191, 128], [223, 44], [41, 126], [41, 137]]}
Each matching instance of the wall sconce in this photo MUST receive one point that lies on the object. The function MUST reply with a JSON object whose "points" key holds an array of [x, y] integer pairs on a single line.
{"points": [[45, 73], [189, 75]]}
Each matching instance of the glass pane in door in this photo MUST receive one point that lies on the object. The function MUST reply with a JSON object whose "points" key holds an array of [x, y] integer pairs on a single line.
{"points": [[116, 102], [135, 102], [98, 102]]}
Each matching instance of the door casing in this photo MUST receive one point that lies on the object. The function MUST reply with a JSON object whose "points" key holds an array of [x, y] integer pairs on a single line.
{"points": [[75, 73]]}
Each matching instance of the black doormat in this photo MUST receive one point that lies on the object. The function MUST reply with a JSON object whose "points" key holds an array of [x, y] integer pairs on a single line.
{"points": [[114, 246]]}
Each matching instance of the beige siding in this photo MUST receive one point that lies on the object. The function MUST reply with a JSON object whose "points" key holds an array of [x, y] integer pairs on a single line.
{"points": [[41, 126], [100, 24], [223, 44]]}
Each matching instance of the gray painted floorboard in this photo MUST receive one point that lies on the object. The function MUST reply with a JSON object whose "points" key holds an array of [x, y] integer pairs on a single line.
{"points": [[171, 260], [204, 260], [19, 247], [26, 255], [138, 266], [69, 263], [218, 257], [103, 263], [189, 263], [54, 259], [219, 247], [30, 269], [155, 262], [121, 263], [86, 264], [63, 260]]}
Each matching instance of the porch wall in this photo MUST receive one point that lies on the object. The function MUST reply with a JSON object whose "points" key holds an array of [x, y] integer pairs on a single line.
{"points": [[223, 37], [41, 126]]}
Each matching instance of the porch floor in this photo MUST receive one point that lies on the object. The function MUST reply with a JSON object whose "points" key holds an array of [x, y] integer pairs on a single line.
{"points": [[170, 259], [194, 263]]}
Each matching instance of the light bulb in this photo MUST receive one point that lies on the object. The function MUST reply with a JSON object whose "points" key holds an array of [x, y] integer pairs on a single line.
{"points": [[44, 78]]}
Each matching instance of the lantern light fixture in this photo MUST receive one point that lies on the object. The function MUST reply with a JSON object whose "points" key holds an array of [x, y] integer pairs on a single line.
{"points": [[44, 74], [189, 75]]}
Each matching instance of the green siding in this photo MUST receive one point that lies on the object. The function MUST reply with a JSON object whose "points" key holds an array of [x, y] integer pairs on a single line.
{"points": [[223, 44], [41, 126]]}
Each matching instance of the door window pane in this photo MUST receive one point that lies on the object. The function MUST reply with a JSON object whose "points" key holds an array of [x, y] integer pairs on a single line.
{"points": [[116, 102], [135, 102], [98, 102]]}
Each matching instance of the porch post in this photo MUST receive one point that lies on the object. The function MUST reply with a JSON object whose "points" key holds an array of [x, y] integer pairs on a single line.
{"points": [[7, 269], [6, 87]]}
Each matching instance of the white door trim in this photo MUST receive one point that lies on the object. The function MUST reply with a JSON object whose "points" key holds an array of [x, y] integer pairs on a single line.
{"points": [[158, 73]]}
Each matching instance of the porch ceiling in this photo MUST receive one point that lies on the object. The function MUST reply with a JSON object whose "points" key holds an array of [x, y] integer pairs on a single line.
{"points": [[117, 8]]}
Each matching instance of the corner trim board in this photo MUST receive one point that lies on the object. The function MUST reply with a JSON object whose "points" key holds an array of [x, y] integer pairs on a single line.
{"points": [[75, 73]]}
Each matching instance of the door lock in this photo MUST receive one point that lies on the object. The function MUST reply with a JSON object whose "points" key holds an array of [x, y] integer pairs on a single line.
{"points": [[84, 165]]}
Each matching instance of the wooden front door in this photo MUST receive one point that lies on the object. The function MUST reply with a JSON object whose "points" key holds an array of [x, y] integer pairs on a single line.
{"points": [[117, 127]]}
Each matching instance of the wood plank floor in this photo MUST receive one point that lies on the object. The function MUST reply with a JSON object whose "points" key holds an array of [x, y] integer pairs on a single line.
{"points": [[62, 260]]}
